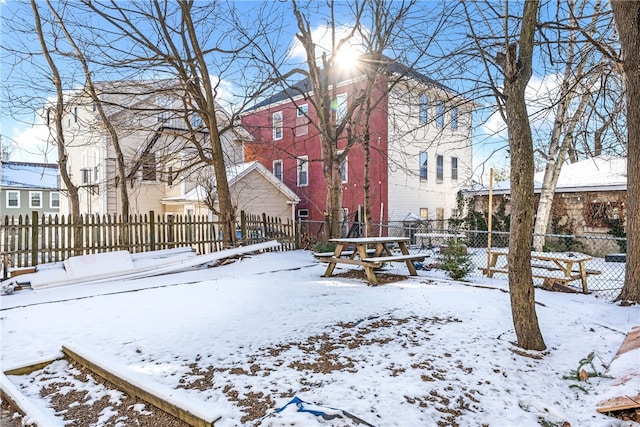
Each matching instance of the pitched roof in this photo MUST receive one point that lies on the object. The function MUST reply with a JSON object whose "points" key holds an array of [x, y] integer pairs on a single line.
{"points": [[29, 175], [235, 173], [303, 87], [601, 173]]}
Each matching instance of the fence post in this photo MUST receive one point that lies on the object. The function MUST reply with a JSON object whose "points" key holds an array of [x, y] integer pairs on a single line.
{"points": [[243, 225], [264, 224], [152, 231], [34, 238]]}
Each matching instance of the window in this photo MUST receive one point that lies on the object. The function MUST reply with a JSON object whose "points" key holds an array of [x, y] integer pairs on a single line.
{"points": [[170, 176], [277, 125], [454, 117], [75, 114], [440, 218], [423, 165], [439, 114], [302, 110], [54, 200], [303, 171], [424, 213], [439, 168], [454, 168], [13, 199], [149, 167], [35, 199], [303, 213], [196, 121], [340, 107], [277, 169], [86, 176], [344, 171], [424, 109]]}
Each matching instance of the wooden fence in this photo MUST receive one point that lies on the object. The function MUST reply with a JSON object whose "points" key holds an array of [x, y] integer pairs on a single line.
{"points": [[37, 239]]}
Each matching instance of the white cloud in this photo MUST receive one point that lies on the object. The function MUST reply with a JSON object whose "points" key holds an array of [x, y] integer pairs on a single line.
{"points": [[322, 37], [29, 144]]}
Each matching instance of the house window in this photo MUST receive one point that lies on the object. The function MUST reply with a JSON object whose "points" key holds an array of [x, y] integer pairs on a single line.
{"points": [[344, 172], [86, 176], [440, 218], [600, 214], [454, 168], [13, 199], [277, 169], [303, 171], [424, 109], [149, 167], [423, 165], [196, 121], [424, 213], [170, 176], [75, 114], [454, 117], [439, 168], [340, 107], [35, 199], [439, 114], [277, 125], [302, 110], [303, 213], [54, 200]]}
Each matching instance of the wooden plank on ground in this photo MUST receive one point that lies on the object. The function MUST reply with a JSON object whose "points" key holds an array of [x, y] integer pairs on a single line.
{"points": [[32, 413], [183, 411], [623, 394], [26, 370]]}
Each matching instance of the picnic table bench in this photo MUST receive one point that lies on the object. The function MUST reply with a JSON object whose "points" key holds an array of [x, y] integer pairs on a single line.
{"points": [[567, 266], [370, 258]]}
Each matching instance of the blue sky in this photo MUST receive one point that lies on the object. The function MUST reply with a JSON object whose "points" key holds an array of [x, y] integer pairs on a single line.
{"points": [[29, 141]]}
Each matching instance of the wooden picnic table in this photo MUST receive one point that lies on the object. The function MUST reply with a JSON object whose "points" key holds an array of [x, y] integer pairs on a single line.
{"points": [[571, 265], [363, 256]]}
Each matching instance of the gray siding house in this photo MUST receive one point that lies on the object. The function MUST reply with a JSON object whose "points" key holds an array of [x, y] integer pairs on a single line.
{"points": [[27, 187]]}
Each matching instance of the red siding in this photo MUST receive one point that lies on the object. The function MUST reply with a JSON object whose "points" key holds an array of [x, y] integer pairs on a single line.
{"points": [[295, 142]]}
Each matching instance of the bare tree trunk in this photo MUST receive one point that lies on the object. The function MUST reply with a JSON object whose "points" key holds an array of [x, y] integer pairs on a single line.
{"points": [[518, 70], [627, 18], [90, 87], [58, 116]]}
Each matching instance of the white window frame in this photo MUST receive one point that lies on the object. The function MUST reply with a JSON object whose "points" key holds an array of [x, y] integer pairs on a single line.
{"points": [[439, 114], [302, 166], [31, 204], [17, 193], [341, 103], [424, 213], [454, 169], [439, 168], [423, 171], [344, 168], [278, 162], [303, 213], [53, 199], [423, 114], [454, 117], [302, 110], [277, 124]]}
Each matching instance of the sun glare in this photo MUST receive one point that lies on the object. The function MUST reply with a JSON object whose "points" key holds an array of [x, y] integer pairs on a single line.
{"points": [[347, 57]]}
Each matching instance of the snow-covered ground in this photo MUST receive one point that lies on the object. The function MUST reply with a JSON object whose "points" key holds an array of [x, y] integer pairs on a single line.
{"points": [[417, 352]]}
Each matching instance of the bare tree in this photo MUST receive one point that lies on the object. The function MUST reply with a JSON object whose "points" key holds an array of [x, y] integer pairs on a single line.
{"points": [[576, 86], [515, 59], [55, 116], [178, 38], [627, 18]]}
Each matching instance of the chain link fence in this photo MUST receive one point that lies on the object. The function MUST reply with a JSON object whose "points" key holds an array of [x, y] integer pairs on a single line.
{"points": [[427, 237]]}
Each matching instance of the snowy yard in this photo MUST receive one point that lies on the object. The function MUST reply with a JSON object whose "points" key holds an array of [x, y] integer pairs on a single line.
{"points": [[241, 340]]}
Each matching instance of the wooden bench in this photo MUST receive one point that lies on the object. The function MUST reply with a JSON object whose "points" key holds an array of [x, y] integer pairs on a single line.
{"points": [[348, 253]]}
